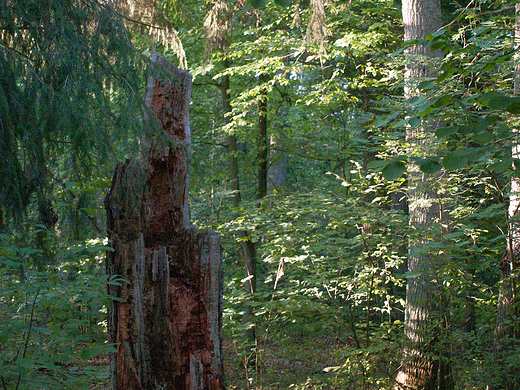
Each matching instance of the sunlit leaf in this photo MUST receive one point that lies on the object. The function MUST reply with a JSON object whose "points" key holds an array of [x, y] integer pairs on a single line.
{"points": [[383, 121], [377, 164]]}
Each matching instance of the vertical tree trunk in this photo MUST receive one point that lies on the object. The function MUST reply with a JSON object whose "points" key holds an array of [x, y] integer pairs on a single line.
{"points": [[506, 333], [278, 169], [277, 172], [422, 367], [263, 148], [165, 275], [250, 258], [231, 140], [246, 245]]}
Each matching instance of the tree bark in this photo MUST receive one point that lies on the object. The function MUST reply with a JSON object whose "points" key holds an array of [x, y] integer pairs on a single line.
{"points": [[423, 367], [278, 169], [263, 147], [165, 277], [506, 333]]}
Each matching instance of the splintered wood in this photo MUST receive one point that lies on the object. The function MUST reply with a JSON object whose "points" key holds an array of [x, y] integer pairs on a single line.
{"points": [[165, 276]]}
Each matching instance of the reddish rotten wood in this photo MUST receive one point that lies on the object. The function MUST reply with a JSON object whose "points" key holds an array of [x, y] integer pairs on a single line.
{"points": [[166, 316]]}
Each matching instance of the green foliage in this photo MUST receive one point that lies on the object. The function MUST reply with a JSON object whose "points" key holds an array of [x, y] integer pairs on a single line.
{"points": [[69, 77], [332, 244], [333, 257], [70, 104], [49, 322]]}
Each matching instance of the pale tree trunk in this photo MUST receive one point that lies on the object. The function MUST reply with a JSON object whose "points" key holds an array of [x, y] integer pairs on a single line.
{"points": [[506, 333], [422, 368], [165, 319]]}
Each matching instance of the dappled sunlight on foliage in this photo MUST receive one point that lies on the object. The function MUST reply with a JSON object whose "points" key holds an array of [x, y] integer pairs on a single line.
{"points": [[332, 241]]}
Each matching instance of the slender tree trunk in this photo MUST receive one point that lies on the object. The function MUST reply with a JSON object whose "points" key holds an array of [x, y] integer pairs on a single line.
{"points": [[250, 257], [231, 140], [506, 333], [422, 367], [165, 275], [262, 144], [277, 141], [278, 169], [246, 245]]}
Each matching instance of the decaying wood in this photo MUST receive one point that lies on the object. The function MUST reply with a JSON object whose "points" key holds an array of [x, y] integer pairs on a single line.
{"points": [[165, 275]]}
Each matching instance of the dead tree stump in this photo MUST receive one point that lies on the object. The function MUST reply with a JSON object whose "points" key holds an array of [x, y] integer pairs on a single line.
{"points": [[165, 277]]}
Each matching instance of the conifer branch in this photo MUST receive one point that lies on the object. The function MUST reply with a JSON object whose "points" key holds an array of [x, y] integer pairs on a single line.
{"points": [[22, 57], [141, 23]]}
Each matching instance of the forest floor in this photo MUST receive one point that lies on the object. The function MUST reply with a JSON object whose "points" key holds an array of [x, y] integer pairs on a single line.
{"points": [[293, 362]]}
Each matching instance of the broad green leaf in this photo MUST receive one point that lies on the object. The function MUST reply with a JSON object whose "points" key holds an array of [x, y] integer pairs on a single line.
{"points": [[90, 211], [443, 100], [99, 248], [438, 33], [455, 160], [501, 102], [240, 12], [377, 164], [426, 85], [481, 30], [258, 3], [447, 74], [401, 123], [465, 130], [446, 131], [431, 166], [483, 138], [283, 3], [489, 66], [484, 123], [503, 130], [415, 122], [394, 170], [383, 121], [87, 353], [514, 108], [425, 109], [439, 45], [416, 101], [412, 274], [399, 51], [494, 100], [502, 165]]}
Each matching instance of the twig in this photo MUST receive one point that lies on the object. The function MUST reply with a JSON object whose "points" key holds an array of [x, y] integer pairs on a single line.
{"points": [[139, 22], [3, 383]]}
